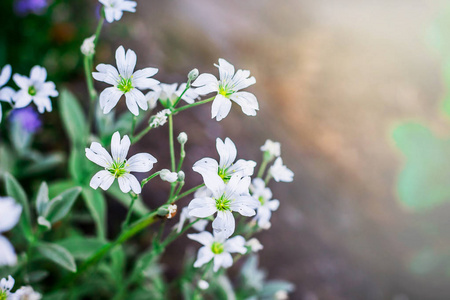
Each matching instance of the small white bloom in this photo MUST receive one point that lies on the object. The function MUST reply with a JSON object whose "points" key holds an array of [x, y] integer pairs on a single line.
{"points": [[114, 8], [25, 293], [168, 176], [214, 172], [280, 172], [203, 285], [6, 286], [88, 46], [10, 213], [227, 88], [125, 82], [254, 245], [200, 225], [182, 138], [167, 94], [172, 211], [271, 147], [226, 198], [160, 118], [264, 195], [34, 89], [6, 93], [118, 166], [281, 295], [217, 247]]}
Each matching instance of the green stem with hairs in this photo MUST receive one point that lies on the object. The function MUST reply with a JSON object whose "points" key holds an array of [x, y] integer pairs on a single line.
{"points": [[175, 111], [144, 182]]}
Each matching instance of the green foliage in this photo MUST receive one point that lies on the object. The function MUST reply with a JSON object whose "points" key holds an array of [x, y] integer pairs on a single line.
{"points": [[73, 118], [81, 247], [58, 255], [423, 182], [95, 201]]}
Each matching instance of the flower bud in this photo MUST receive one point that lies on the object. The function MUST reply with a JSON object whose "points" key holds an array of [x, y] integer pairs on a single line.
{"points": [[181, 176], [182, 138], [88, 46], [168, 176], [193, 75], [172, 211], [203, 285]]}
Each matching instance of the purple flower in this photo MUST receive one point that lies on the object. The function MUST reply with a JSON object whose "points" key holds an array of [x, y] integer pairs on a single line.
{"points": [[27, 118], [24, 7]]}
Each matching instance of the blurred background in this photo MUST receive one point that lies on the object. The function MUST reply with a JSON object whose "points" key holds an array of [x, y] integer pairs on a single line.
{"points": [[355, 91]]}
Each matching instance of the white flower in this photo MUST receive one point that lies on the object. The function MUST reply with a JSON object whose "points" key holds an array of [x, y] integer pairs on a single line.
{"points": [[125, 82], [227, 89], [160, 118], [6, 93], [34, 89], [226, 198], [200, 225], [214, 172], [168, 176], [88, 46], [167, 94], [280, 172], [6, 286], [203, 285], [217, 247], [254, 245], [263, 194], [10, 213], [118, 166], [271, 147], [25, 293], [114, 8], [172, 211]]}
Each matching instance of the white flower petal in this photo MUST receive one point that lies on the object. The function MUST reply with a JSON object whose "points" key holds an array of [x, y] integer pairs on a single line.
{"points": [[227, 152], [141, 162], [224, 223], [224, 260], [102, 179], [43, 104], [245, 205], [8, 257], [6, 94], [106, 73], [7, 284], [144, 73], [242, 167], [202, 207], [209, 168], [21, 81], [139, 98], [204, 255], [133, 183], [119, 149], [205, 79], [97, 154], [236, 185], [124, 184], [10, 213], [131, 103], [247, 101], [121, 61], [21, 99], [109, 98], [131, 59], [235, 245], [225, 69], [273, 204], [263, 216], [5, 75], [205, 238], [220, 108], [38, 74]]}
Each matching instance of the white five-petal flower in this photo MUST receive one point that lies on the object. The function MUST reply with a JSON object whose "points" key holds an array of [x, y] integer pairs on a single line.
{"points": [[217, 247], [272, 148], [114, 8], [34, 89], [10, 213], [167, 94], [118, 166], [125, 82], [6, 93], [227, 89], [214, 172], [225, 199], [280, 172], [264, 195]]}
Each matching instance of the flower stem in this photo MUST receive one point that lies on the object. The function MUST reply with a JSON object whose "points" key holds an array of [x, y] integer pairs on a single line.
{"points": [[133, 125], [262, 168], [130, 210], [144, 182], [175, 111], [176, 198], [179, 98], [172, 153], [268, 177], [182, 156]]}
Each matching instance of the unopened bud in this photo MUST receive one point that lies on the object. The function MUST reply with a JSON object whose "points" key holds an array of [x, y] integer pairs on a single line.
{"points": [[172, 211], [181, 176], [166, 175], [193, 75], [182, 138], [203, 285], [88, 46]]}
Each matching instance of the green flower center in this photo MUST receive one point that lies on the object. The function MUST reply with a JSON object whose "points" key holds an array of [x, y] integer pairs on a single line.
{"points": [[224, 90], [223, 204], [32, 92], [262, 200], [3, 295], [125, 84], [224, 174], [217, 248], [117, 169]]}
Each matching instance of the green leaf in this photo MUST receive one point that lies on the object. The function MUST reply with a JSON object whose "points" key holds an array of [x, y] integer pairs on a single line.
{"points": [[43, 165], [42, 199], [58, 255], [81, 247], [15, 190], [57, 187], [95, 201], [58, 207], [423, 183], [81, 169], [73, 118]]}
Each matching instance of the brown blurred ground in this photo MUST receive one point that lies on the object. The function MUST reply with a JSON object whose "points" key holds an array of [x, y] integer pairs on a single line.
{"points": [[333, 77]]}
